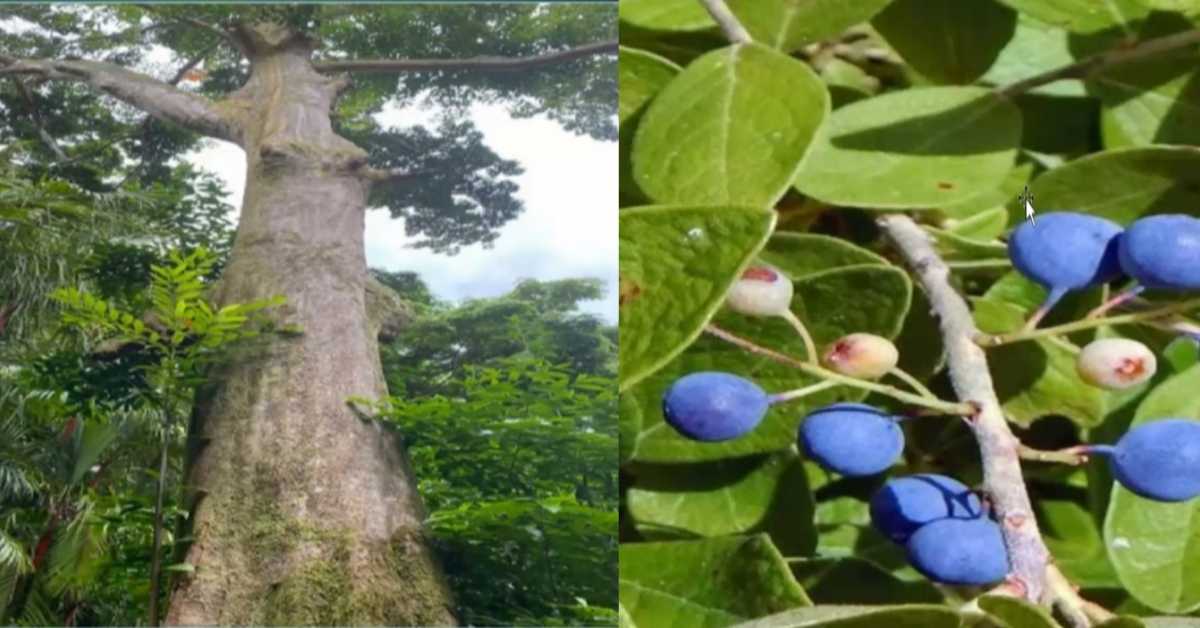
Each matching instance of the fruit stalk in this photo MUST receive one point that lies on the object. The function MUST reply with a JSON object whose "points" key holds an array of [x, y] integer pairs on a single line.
{"points": [[945, 407], [972, 382], [988, 340]]}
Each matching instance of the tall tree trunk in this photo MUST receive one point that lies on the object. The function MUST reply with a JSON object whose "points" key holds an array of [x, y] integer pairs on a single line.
{"points": [[308, 514]]}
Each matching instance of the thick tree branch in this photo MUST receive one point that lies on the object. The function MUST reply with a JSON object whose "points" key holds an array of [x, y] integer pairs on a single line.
{"points": [[155, 97], [1088, 66], [972, 382], [476, 64]]}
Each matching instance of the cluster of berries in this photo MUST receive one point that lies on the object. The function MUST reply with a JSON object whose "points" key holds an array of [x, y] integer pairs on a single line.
{"points": [[947, 533]]}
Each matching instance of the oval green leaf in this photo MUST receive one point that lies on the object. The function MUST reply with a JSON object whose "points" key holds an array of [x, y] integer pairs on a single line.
{"points": [[640, 77], [1016, 613], [1155, 546], [1125, 184], [665, 15], [947, 41], [757, 494], [802, 254], [708, 583], [1085, 16], [914, 149], [661, 308], [791, 24], [908, 616], [723, 132]]}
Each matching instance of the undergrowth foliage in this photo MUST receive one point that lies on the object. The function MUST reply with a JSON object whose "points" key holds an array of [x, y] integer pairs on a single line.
{"points": [[792, 439]]}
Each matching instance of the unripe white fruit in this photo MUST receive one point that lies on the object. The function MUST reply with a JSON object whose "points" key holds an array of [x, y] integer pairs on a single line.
{"points": [[761, 291], [1116, 363], [865, 356]]}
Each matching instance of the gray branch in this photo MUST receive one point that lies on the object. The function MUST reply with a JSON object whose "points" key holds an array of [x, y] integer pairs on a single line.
{"points": [[155, 97], [972, 382]]}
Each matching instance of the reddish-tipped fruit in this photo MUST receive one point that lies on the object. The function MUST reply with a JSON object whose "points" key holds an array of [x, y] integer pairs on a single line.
{"points": [[761, 291], [1115, 363], [865, 356]]}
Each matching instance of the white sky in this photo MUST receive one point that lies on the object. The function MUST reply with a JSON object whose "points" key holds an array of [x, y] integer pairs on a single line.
{"points": [[568, 228]]}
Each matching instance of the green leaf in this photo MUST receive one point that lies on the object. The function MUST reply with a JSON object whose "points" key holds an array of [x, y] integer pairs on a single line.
{"points": [[181, 568], [856, 581], [1016, 613], [1125, 184], [802, 254], [908, 616], [914, 149], [1075, 542], [947, 41], [640, 77], [714, 582], [832, 304], [1036, 47], [96, 438], [665, 15], [1155, 546], [985, 226], [790, 24], [1035, 378], [1153, 101], [723, 132], [663, 309], [760, 494], [625, 620], [1084, 16]]}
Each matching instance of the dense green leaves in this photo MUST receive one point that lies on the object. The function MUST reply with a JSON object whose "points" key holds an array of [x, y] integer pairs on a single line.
{"points": [[711, 583], [1125, 184], [663, 309], [917, 148], [1153, 545], [723, 133]]}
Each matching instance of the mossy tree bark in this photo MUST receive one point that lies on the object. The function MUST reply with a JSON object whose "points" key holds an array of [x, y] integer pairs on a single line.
{"points": [[301, 513], [307, 514]]}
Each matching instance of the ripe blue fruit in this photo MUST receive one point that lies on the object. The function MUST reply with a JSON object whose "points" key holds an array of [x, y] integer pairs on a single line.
{"points": [[713, 406], [1066, 251], [959, 551], [905, 504], [1163, 252], [1158, 460], [851, 439]]}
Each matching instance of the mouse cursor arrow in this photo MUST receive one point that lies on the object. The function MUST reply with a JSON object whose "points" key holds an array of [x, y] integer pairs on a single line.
{"points": [[1027, 199]]}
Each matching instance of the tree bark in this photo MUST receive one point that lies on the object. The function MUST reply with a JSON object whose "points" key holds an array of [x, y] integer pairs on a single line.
{"points": [[306, 514]]}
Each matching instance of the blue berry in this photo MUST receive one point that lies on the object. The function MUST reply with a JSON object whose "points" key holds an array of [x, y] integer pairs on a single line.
{"points": [[851, 439], [959, 551], [1159, 460], [712, 406], [1065, 251], [1163, 252], [905, 504]]}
